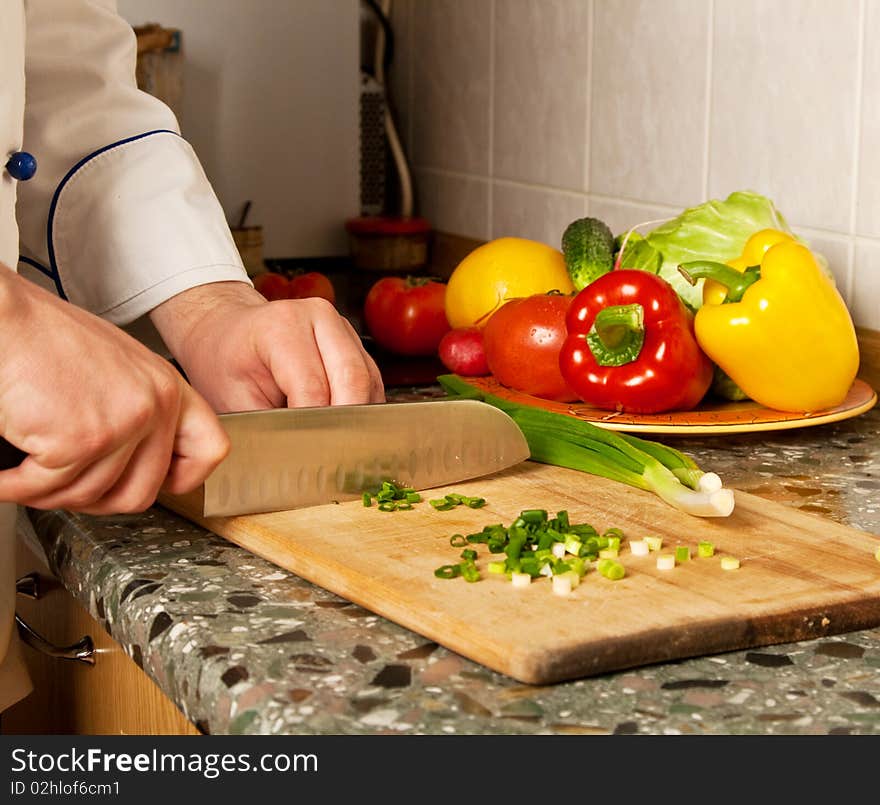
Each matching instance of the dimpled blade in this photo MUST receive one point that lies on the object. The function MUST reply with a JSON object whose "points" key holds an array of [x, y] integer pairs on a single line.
{"points": [[289, 458]]}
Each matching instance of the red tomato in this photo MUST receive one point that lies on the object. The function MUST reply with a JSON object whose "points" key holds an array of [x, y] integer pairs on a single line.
{"points": [[462, 351], [274, 285], [312, 283], [407, 316], [271, 284], [523, 339]]}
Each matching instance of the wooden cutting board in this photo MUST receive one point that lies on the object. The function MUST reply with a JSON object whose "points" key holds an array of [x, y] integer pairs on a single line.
{"points": [[801, 576]]}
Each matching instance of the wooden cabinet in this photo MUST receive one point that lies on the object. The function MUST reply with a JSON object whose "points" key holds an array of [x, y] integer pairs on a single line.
{"points": [[112, 697]]}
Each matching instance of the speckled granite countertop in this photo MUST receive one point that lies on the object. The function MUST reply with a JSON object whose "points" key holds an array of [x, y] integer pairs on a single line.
{"points": [[242, 646]]}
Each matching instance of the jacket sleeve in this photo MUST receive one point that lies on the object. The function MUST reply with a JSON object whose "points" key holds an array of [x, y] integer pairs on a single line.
{"points": [[119, 216]]}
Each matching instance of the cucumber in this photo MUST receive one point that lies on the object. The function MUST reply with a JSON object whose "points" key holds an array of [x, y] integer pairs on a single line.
{"points": [[588, 249]]}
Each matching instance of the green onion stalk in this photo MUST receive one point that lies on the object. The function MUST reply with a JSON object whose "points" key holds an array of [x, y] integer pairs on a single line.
{"points": [[565, 441]]}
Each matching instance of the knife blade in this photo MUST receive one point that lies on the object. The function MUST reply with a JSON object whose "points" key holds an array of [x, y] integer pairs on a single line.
{"points": [[288, 458]]}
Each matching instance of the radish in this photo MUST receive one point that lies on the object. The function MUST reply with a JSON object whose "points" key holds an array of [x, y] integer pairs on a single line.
{"points": [[461, 351]]}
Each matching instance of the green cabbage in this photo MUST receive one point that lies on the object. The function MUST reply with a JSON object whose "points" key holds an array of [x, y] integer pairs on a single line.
{"points": [[716, 230]]}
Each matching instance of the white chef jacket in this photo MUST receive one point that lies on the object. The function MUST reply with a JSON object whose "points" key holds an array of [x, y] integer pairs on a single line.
{"points": [[119, 215]]}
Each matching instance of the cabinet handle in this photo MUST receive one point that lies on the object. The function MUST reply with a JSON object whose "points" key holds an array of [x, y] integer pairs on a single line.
{"points": [[81, 651], [29, 586]]}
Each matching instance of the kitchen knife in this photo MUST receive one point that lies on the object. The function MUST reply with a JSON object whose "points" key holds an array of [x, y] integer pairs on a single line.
{"points": [[287, 458]]}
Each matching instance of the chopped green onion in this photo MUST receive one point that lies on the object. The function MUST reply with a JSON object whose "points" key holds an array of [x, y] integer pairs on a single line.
{"points": [[611, 569], [729, 563], [654, 543], [520, 579], [705, 549], [454, 499], [447, 571], [638, 547], [469, 571], [368, 499], [458, 541], [682, 553], [564, 583], [609, 553], [572, 545], [469, 553], [665, 561], [498, 567]]}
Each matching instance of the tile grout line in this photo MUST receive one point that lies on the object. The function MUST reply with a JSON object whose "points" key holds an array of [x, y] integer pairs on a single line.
{"points": [[588, 107], [857, 141], [707, 113], [490, 211]]}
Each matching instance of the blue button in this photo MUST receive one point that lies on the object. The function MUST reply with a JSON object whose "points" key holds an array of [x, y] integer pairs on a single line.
{"points": [[21, 166]]}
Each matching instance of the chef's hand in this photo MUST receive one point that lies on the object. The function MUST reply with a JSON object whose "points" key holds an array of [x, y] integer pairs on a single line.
{"points": [[106, 422], [243, 353]]}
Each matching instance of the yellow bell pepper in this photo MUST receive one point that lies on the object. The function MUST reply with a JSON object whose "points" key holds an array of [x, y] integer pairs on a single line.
{"points": [[784, 334], [714, 292]]}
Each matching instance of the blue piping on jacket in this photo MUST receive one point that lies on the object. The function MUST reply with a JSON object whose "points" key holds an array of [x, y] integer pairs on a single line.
{"points": [[37, 265], [53, 272]]}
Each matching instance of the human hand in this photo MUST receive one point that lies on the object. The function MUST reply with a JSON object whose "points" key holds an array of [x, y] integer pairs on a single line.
{"points": [[243, 353], [106, 422]]}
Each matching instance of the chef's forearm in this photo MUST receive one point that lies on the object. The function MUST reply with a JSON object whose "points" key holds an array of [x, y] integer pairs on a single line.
{"points": [[179, 319]]}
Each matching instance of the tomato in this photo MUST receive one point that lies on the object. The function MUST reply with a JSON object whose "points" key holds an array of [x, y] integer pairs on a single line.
{"points": [[462, 351], [301, 285], [407, 316], [523, 339], [271, 284], [309, 284]]}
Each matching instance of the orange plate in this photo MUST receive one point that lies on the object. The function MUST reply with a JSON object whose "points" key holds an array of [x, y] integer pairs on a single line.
{"points": [[722, 417]]}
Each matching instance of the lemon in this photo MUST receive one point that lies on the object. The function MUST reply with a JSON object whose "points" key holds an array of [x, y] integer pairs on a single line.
{"points": [[502, 269]]}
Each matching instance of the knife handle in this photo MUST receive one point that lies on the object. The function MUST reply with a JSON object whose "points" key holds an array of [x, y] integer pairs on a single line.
{"points": [[10, 455]]}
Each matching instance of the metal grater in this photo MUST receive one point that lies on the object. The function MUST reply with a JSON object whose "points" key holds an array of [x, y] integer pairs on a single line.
{"points": [[373, 152]]}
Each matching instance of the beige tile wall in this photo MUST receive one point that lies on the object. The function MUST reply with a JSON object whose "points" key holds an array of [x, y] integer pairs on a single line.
{"points": [[520, 115]]}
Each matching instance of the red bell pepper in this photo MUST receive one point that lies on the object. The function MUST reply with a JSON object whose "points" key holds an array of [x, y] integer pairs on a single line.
{"points": [[630, 346]]}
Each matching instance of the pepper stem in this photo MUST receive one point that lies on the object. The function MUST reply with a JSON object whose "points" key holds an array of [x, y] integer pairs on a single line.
{"points": [[735, 282], [617, 334]]}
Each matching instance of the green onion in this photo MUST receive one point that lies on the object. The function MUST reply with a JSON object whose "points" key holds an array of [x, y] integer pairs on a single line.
{"points": [[665, 561], [520, 579], [532, 547], [368, 499], [682, 553], [611, 569], [566, 441], [639, 547], [729, 563], [454, 499], [705, 549]]}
